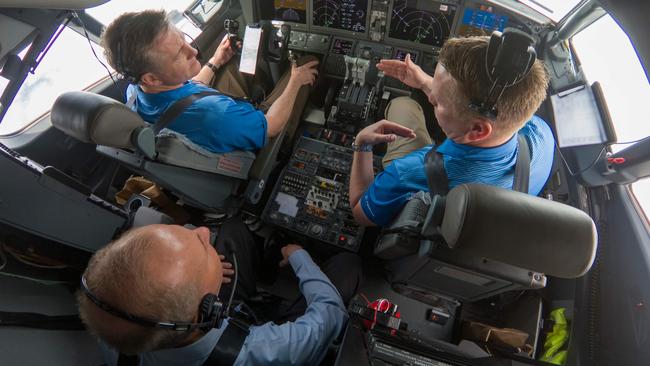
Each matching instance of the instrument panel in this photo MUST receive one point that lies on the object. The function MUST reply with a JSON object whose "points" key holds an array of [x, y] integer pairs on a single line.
{"points": [[338, 28], [311, 195], [422, 25]]}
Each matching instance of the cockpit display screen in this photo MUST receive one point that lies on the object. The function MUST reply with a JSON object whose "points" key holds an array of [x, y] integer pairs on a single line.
{"points": [[421, 21], [294, 11], [342, 46], [481, 21], [400, 54], [349, 15]]}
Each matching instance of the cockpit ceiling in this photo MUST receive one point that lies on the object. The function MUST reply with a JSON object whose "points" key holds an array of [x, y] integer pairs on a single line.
{"points": [[52, 4]]}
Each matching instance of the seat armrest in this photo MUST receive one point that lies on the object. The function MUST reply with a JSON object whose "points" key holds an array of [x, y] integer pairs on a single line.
{"points": [[144, 141], [262, 167]]}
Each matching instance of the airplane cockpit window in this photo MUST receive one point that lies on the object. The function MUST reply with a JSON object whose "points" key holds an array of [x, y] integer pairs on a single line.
{"points": [[554, 9], [56, 74], [624, 84]]}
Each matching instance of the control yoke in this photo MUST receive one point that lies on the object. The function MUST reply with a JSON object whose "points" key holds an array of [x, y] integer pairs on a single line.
{"points": [[232, 28], [277, 41]]}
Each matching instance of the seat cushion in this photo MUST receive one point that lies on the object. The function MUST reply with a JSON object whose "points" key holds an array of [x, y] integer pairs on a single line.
{"points": [[176, 149]]}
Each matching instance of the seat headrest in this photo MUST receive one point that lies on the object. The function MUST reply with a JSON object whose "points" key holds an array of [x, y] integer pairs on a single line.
{"points": [[94, 118], [519, 229]]}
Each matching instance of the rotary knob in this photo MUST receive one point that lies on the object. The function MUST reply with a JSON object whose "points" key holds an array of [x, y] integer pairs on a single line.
{"points": [[316, 229]]}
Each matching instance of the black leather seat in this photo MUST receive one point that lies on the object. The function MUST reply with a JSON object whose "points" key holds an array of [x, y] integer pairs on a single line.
{"points": [[489, 240], [212, 182]]}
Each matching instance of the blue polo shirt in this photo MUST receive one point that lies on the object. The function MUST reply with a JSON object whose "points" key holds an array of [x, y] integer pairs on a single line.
{"points": [[464, 164], [217, 123]]}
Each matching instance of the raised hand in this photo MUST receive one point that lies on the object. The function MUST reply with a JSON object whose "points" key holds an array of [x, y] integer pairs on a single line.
{"points": [[405, 71], [224, 52], [382, 131]]}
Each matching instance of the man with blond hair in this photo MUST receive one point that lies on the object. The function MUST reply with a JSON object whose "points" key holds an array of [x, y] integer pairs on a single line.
{"points": [[478, 149]]}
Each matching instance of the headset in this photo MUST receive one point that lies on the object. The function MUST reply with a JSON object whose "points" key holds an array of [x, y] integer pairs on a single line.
{"points": [[211, 313], [509, 57], [211, 310]]}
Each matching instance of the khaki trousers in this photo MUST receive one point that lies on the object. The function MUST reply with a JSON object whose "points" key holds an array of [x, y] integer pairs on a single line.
{"points": [[408, 113], [229, 80]]}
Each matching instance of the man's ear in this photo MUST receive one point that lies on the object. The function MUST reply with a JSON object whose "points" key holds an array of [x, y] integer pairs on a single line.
{"points": [[481, 130], [149, 79]]}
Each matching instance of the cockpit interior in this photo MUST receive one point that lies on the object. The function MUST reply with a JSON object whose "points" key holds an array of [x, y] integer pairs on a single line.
{"points": [[471, 278]]}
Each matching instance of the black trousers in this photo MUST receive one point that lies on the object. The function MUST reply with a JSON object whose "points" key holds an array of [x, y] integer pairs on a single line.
{"points": [[248, 256], [343, 269]]}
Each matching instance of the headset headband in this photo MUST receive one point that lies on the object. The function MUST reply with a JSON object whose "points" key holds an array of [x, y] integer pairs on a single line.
{"points": [[508, 59], [148, 322]]}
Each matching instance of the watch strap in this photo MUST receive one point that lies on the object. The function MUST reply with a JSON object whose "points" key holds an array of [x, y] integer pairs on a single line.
{"points": [[212, 67], [361, 148]]}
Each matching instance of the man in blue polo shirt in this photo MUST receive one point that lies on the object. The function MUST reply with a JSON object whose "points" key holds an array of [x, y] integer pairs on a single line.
{"points": [[477, 149], [154, 55]]}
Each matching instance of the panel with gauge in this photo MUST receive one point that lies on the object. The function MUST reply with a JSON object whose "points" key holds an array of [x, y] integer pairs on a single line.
{"points": [[311, 196]]}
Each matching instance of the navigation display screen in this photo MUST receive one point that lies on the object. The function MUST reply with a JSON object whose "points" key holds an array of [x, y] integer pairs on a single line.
{"points": [[349, 15], [421, 21], [285, 10], [342, 46], [482, 22]]}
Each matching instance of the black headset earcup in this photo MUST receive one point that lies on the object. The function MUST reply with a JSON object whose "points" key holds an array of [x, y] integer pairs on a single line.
{"points": [[210, 312], [496, 40]]}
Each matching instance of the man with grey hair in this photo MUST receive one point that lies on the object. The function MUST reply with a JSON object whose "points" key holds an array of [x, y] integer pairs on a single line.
{"points": [[163, 67], [162, 273]]}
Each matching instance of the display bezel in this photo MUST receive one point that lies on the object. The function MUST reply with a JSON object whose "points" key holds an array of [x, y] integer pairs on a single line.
{"points": [[334, 38], [420, 46], [294, 25], [336, 31], [417, 53]]}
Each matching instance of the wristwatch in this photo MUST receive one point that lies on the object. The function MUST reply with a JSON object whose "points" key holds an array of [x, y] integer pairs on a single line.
{"points": [[212, 67], [361, 148]]}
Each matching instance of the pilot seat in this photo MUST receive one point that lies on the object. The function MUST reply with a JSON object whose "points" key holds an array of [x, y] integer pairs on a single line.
{"points": [[215, 183], [480, 241]]}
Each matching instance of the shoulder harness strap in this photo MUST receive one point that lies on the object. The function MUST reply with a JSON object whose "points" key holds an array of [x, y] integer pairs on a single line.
{"points": [[437, 180], [439, 183], [227, 349], [522, 166], [175, 110]]}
